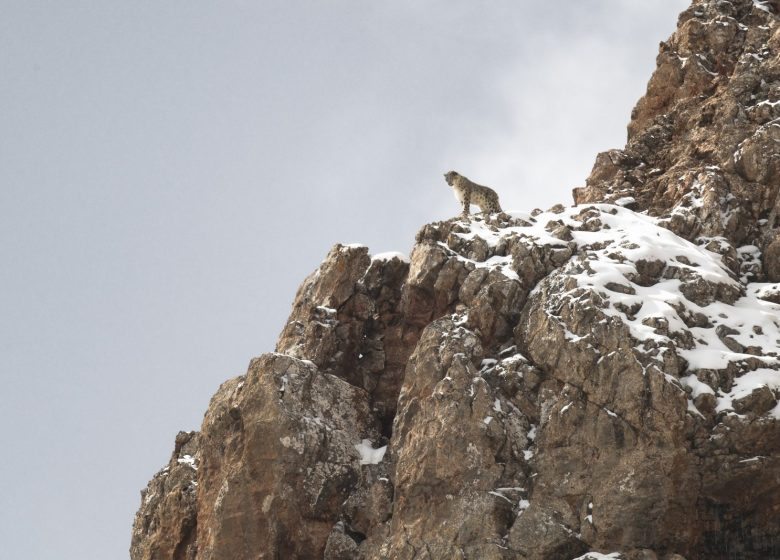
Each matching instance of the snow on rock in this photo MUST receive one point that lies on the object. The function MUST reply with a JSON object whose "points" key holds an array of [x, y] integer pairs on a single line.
{"points": [[369, 455], [755, 388], [673, 295], [697, 387], [762, 5], [599, 556], [390, 255], [765, 291], [188, 460]]}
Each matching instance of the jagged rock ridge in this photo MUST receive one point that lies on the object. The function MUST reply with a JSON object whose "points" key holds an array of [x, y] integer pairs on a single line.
{"points": [[531, 386]]}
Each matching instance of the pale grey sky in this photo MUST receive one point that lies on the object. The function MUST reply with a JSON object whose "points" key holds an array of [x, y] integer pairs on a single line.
{"points": [[171, 170]]}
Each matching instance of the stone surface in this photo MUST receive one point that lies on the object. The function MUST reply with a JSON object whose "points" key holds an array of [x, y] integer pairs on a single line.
{"points": [[166, 524], [706, 130], [532, 386]]}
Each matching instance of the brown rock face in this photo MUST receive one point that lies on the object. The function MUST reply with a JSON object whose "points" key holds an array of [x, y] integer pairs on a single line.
{"points": [[704, 142], [548, 386], [166, 524], [278, 457], [348, 318]]}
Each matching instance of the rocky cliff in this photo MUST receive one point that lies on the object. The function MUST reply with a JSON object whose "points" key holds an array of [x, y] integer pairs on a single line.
{"points": [[539, 385]]}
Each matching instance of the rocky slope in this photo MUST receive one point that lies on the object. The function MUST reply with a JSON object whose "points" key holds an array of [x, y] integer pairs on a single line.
{"points": [[543, 386]]}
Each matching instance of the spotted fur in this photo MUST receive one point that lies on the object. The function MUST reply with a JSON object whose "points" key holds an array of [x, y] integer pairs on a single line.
{"points": [[469, 193]]}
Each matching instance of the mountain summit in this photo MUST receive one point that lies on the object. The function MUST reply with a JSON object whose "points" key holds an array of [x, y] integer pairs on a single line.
{"points": [[595, 381]]}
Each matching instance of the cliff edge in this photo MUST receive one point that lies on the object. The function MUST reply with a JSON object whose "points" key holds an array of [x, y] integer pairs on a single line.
{"points": [[595, 381]]}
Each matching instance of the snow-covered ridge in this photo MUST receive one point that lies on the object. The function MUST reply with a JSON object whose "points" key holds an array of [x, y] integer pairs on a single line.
{"points": [[390, 255], [672, 294]]}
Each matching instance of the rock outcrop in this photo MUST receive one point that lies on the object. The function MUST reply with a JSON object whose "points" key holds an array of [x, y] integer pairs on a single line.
{"points": [[598, 381], [704, 142]]}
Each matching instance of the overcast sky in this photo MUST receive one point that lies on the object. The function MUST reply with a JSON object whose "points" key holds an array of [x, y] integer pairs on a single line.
{"points": [[171, 170]]}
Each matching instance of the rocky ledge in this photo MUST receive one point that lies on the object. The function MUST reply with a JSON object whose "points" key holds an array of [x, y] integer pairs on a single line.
{"points": [[527, 386]]}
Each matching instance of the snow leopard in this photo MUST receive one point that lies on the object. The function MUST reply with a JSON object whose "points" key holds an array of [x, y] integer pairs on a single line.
{"points": [[469, 193]]}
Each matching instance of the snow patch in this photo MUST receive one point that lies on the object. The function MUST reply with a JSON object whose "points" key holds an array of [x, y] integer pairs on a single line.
{"points": [[696, 386], [746, 384], [599, 556], [712, 334], [369, 455], [390, 255], [523, 505], [762, 5], [499, 495], [188, 460]]}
